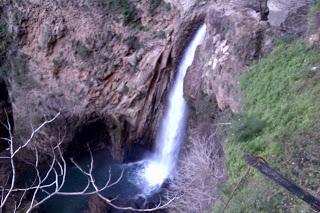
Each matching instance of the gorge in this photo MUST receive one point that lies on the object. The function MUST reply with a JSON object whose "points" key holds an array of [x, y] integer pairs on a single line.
{"points": [[143, 178], [169, 94]]}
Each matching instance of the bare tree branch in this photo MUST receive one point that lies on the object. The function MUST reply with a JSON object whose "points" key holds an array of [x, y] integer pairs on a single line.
{"points": [[57, 168], [197, 175]]}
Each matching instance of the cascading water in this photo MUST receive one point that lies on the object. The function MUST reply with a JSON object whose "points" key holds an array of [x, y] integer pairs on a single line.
{"points": [[159, 167]]}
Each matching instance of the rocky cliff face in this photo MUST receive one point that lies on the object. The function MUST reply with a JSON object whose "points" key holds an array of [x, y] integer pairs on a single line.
{"points": [[103, 61], [107, 65], [237, 38], [112, 62]]}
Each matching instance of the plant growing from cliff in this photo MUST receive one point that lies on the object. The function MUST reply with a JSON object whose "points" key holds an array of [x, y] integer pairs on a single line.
{"points": [[125, 90], [155, 4], [161, 34], [82, 51], [13, 63], [283, 91], [133, 43], [313, 17], [58, 63], [124, 7], [315, 7], [246, 127], [5, 40]]}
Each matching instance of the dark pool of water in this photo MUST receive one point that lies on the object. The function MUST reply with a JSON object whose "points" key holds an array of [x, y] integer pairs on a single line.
{"points": [[126, 190]]}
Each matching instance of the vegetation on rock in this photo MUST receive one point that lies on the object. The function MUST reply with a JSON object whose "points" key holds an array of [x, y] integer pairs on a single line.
{"points": [[154, 4], [4, 44], [3, 39], [82, 51], [280, 124], [124, 7], [315, 8], [133, 42], [11, 63]]}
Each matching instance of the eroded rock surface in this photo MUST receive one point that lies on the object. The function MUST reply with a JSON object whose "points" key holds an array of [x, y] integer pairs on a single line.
{"points": [[89, 60], [93, 61], [236, 38], [109, 69]]}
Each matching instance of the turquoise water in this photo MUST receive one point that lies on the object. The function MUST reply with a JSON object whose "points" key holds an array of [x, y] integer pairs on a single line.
{"points": [[126, 189]]}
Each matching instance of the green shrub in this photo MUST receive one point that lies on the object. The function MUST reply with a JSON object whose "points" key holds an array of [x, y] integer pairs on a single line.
{"points": [[133, 42], [125, 90], [4, 40], [315, 7], [124, 7], [155, 4], [161, 34], [247, 127], [82, 51], [281, 99], [20, 70]]}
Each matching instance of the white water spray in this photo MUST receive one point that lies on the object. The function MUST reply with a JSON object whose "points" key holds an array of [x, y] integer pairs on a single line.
{"points": [[170, 136]]}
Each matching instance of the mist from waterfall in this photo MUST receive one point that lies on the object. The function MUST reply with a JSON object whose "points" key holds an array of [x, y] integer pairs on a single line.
{"points": [[160, 165]]}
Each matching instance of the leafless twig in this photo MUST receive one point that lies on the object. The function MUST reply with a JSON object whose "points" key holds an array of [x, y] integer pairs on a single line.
{"points": [[58, 169]]}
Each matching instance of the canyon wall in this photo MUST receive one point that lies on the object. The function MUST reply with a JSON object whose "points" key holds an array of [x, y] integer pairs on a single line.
{"points": [[113, 63], [236, 39], [106, 62], [107, 66]]}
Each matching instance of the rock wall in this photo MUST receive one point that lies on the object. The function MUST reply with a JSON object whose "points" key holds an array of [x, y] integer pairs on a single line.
{"points": [[94, 60], [236, 38], [107, 65]]}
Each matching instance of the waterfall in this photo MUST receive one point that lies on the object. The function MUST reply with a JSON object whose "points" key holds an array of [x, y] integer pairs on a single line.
{"points": [[160, 165]]}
